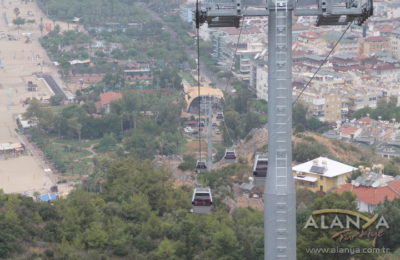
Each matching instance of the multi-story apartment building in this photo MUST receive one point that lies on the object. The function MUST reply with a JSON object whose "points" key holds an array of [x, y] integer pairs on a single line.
{"points": [[387, 72], [261, 85], [349, 45], [345, 62], [186, 13], [393, 11], [221, 49], [244, 59], [375, 44], [224, 44], [395, 43], [333, 107], [314, 101], [362, 98]]}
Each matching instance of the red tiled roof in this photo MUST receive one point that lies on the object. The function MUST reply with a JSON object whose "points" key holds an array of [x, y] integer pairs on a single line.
{"points": [[185, 115], [88, 78], [385, 66], [365, 120], [373, 196], [299, 53], [299, 27], [107, 97], [146, 90], [395, 185], [192, 122], [348, 130], [235, 31], [376, 39], [385, 28], [347, 68], [310, 35]]}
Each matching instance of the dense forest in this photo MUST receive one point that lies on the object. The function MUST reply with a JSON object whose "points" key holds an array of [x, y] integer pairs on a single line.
{"points": [[92, 12], [136, 214]]}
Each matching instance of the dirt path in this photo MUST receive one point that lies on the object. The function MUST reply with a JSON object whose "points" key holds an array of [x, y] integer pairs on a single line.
{"points": [[90, 149]]}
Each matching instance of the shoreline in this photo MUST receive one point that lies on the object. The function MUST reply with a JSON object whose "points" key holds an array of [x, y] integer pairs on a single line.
{"points": [[19, 59]]}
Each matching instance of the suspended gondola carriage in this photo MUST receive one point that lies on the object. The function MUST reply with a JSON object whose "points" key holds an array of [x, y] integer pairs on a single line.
{"points": [[201, 166], [230, 155], [260, 169], [202, 201]]}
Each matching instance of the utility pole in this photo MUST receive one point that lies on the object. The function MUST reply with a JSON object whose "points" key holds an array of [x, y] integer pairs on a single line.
{"points": [[279, 189], [209, 134]]}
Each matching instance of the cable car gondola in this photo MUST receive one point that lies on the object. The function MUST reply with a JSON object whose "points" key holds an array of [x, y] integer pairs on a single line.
{"points": [[230, 155], [201, 166], [202, 200], [260, 169]]}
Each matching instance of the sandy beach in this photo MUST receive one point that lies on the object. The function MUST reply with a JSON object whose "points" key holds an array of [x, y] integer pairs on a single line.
{"points": [[18, 61]]}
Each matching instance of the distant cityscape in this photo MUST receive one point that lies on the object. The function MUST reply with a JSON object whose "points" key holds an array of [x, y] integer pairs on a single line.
{"points": [[364, 67]]}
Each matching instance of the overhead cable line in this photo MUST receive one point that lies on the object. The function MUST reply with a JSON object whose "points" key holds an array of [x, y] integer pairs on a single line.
{"points": [[198, 68], [231, 69], [323, 62]]}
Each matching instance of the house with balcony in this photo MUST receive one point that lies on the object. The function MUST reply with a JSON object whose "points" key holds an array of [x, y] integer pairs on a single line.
{"points": [[321, 174]]}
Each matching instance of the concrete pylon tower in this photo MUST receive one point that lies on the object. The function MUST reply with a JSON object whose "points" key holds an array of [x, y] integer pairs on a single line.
{"points": [[279, 190]]}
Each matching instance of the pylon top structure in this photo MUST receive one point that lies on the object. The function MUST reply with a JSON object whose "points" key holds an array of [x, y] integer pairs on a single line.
{"points": [[329, 12], [279, 190]]}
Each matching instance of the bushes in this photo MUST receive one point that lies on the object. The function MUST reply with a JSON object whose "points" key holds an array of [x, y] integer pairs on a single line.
{"points": [[305, 151], [391, 169], [107, 143], [189, 162]]}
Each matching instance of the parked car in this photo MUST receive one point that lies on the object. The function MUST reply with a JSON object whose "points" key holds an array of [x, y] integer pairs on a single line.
{"points": [[188, 130]]}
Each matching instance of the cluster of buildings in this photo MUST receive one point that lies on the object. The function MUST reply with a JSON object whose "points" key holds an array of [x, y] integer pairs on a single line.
{"points": [[134, 73], [323, 175], [11, 150], [371, 188], [383, 135], [364, 67]]}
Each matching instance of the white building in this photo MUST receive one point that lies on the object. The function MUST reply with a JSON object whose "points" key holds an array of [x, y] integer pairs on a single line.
{"points": [[186, 13], [262, 82]]}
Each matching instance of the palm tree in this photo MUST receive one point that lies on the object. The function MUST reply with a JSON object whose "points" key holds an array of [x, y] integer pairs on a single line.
{"points": [[17, 11], [75, 125], [41, 26]]}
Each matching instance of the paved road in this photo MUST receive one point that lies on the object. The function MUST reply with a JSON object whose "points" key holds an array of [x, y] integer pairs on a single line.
{"points": [[52, 84]]}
